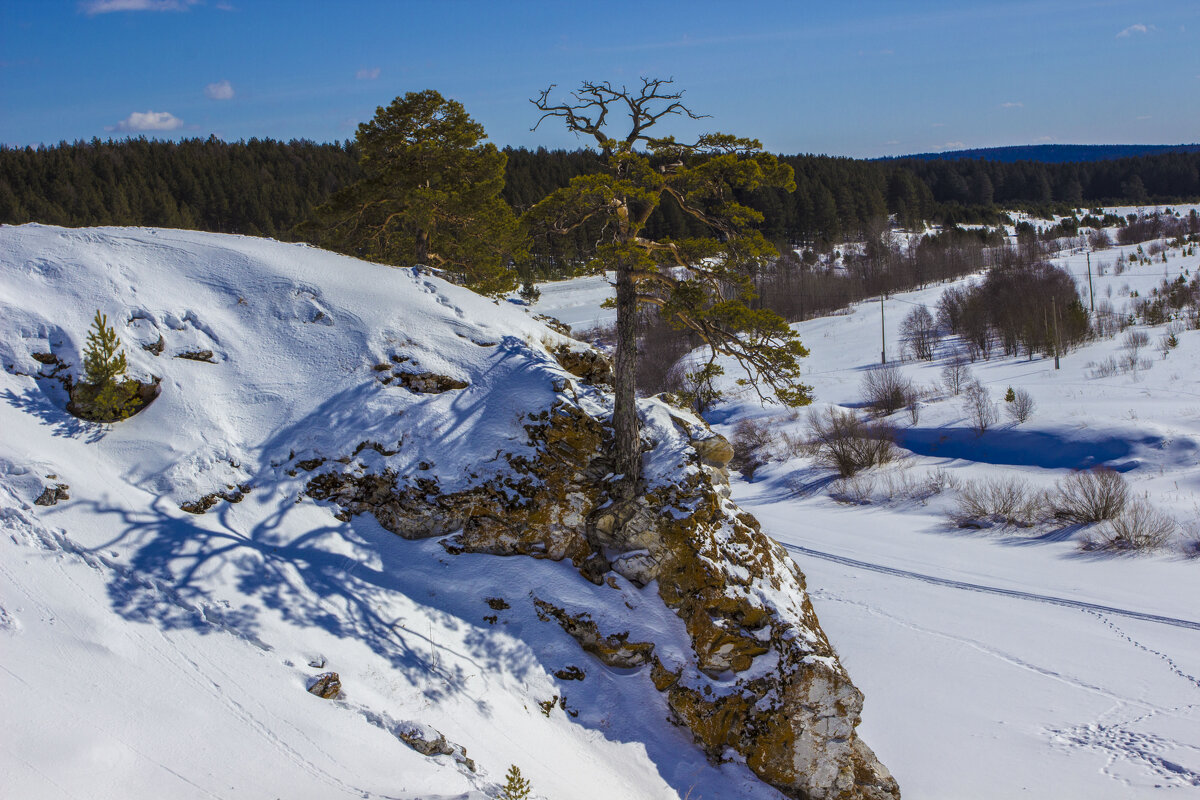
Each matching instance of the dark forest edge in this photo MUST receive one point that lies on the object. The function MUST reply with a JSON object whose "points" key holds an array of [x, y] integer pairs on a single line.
{"points": [[266, 187]]}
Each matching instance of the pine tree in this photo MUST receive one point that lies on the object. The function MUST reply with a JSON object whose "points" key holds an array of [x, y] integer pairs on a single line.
{"points": [[103, 359], [104, 395], [515, 787], [700, 284], [430, 194]]}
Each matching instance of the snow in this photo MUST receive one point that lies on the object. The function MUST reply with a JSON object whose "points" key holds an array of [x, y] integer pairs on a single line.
{"points": [[146, 652]]}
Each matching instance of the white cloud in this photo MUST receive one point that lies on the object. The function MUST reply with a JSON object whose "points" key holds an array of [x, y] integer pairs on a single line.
{"points": [[149, 121], [892, 141], [953, 146], [221, 90], [1012, 105], [93, 7], [1132, 29], [367, 74], [1044, 139]]}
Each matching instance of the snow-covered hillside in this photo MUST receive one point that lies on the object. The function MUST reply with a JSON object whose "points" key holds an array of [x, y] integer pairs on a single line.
{"points": [[171, 585]]}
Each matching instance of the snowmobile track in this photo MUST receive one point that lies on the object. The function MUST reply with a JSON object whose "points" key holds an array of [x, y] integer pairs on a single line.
{"points": [[975, 587]]}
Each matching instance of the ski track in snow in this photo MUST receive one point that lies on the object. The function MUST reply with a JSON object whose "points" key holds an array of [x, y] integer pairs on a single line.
{"points": [[977, 587]]}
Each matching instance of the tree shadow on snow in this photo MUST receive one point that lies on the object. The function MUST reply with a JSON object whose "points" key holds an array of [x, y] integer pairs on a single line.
{"points": [[1024, 448], [40, 406]]}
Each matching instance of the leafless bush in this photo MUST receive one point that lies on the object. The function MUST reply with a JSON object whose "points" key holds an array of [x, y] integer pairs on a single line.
{"points": [[1135, 341], [957, 373], [1104, 369], [886, 389], [857, 490], [999, 501], [1137, 527], [1020, 408], [919, 333], [841, 440], [1092, 495], [1100, 240], [981, 411], [752, 443]]}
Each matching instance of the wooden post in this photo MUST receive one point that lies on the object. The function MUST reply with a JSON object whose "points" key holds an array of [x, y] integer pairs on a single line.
{"points": [[1091, 291], [882, 332], [1054, 307]]}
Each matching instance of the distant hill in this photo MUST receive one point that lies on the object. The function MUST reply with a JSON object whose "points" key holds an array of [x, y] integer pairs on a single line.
{"points": [[1054, 153]]}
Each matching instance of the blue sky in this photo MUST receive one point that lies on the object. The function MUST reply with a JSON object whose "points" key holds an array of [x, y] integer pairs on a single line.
{"points": [[852, 78]]}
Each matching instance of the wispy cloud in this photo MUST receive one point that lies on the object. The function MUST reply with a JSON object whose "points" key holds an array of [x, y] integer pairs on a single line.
{"points": [[148, 121], [1044, 139], [221, 90], [94, 7], [367, 74], [1132, 29], [1012, 105], [953, 146]]}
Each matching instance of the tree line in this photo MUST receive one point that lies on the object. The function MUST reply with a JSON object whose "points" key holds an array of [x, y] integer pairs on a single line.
{"points": [[267, 187]]}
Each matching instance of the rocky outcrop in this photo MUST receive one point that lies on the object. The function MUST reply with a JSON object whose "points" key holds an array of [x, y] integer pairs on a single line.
{"points": [[327, 685], [762, 679], [430, 742]]}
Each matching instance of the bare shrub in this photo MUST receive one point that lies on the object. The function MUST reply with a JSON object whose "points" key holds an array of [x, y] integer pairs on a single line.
{"points": [[1100, 240], [887, 390], [1137, 527], [1020, 408], [857, 490], [957, 373], [752, 443], [841, 440], [981, 411], [999, 501], [1104, 369], [919, 333], [1092, 495], [1135, 341]]}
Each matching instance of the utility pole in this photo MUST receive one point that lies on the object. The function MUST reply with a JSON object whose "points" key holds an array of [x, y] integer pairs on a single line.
{"points": [[1091, 292], [882, 332], [1054, 307]]}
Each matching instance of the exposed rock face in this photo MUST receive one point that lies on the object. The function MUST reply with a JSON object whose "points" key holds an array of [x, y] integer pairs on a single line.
{"points": [[763, 679], [327, 685], [52, 494], [430, 742]]}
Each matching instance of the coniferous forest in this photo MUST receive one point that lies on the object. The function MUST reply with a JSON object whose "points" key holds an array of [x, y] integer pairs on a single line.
{"points": [[267, 187]]}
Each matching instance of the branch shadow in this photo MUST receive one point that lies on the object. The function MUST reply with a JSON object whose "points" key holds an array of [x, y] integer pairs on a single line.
{"points": [[40, 406]]}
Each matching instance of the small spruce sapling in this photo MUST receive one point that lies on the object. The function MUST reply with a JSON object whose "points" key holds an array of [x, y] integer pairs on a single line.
{"points": [[515, 787], [105, 394], [103, 359]]}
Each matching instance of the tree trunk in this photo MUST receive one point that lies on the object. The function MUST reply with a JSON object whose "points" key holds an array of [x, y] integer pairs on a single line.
{"points": [[422, 253], [625, 419]]}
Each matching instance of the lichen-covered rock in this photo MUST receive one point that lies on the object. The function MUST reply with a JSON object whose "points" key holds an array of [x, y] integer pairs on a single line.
{"points": [[427, 382], [327, 685], [762, 679], [429, 741], [52, 494], [614, 650], [587, 364]]}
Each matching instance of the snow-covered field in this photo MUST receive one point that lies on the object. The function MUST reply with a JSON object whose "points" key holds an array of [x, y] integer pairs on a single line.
{"points": [[1004, 662], [147, 652]]}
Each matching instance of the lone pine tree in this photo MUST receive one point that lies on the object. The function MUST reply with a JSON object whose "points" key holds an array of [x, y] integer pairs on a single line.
{"points": [[104, 394], [700, 284]]}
